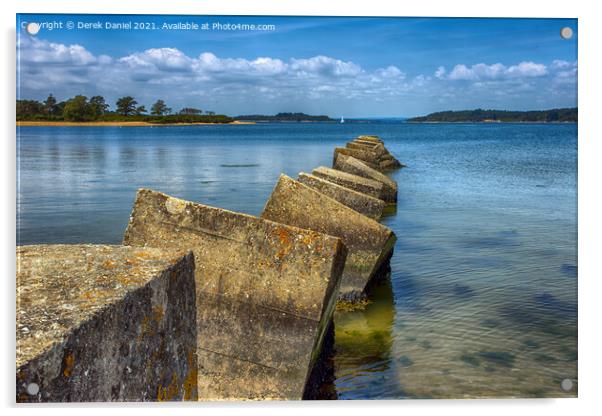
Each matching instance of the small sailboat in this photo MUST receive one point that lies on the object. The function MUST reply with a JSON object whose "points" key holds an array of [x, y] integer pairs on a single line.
{"points": [[342, 120]]}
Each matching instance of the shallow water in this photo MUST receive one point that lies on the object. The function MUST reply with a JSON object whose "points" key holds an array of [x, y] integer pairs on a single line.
{"points": [[482, 299]]}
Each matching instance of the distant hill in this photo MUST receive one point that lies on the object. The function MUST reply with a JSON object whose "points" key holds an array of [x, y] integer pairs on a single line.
{"points": [[555, 115], [283, 117]]}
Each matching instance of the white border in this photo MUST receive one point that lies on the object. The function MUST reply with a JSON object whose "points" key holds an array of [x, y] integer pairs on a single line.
{"points": [[590, 207]]}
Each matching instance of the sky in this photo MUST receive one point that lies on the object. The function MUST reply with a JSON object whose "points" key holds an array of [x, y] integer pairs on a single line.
{"points": [[338, 66]]}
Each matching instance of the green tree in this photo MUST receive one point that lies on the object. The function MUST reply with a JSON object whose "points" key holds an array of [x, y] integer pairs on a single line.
{"points": [[77, 109], [50, 105], [28, 108], [98, 105], [126, 105], [190, 111], [160, 108], [140, 110]]}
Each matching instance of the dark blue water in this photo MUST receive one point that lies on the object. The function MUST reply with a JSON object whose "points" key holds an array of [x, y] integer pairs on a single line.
{"points": [[482, 298]]}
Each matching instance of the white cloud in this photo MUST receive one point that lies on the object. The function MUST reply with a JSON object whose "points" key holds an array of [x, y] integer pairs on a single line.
{"points": [[162, 59], [206, 75], [527, 69], [562, 64], [33, 50], [324, 66], [235, 85], [263, 66], [497, 71]]}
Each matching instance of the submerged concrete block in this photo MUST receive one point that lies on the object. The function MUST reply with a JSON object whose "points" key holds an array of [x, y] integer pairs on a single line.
{"points": [[374, 139], [265, 294], [377, 148], [366, 142], [105, 323], [368, 242], [357, 183], [367, 156], [355, 166], [362, 203], [389, 164]]}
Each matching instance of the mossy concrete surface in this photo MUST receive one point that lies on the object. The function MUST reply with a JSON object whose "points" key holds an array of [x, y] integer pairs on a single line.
{"points": [[265, 294], [105, 323], [366, 156], [362, 203], [370, 150], [373, 139], [369, 243], [355, 166], [377, 148], [357, 183]]}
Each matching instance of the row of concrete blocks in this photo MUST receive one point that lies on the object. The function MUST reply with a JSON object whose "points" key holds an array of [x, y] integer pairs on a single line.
{"points": [[199, 303]]}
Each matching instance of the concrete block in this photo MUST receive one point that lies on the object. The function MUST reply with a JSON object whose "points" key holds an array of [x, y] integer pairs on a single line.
{"points": [[357, 183], [368, 157], [378, 149], [355, 166], [386, 161], [374, 139], [366, 142], [362, 203], [265, 294], [389, 163], [368, 242], [105, 323]]}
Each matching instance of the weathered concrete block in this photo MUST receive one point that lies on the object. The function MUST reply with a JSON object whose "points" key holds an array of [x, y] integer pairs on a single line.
{"points": [[386, 160], [357, 183], [368, 157], [369, 243], [105, 323], [389, 164], [374, 139], [377, 148], [354, 166], [366, 142], [362, 203], [265, 294]]}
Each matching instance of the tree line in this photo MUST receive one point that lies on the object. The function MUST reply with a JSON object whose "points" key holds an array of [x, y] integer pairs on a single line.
{"points": [[480, 115], [283, 117], [80, 108]]}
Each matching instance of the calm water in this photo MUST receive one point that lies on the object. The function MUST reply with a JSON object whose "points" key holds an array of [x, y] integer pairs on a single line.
{"points": [[482, 300]]}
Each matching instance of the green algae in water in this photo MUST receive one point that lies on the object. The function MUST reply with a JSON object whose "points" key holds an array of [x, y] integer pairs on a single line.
{"points": [[545, 358], [427, 345], [529, 343], [405, 361], [490, 323], [239, 165], [470, 360], [502, 358]]}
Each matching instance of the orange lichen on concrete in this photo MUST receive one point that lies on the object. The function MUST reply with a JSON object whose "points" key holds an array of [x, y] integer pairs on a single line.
{"points": [[191, 380], [170, 392], [68, 362]]}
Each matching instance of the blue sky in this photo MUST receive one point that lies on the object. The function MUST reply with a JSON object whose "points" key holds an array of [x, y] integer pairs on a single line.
{"points": [[353, 67]]}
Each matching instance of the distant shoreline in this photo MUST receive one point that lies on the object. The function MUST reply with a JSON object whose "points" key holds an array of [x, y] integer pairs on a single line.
{"points": [[491, 122], [115, 123], [553, 115]]}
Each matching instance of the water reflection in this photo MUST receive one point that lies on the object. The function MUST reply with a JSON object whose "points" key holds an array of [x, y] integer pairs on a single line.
{"points": [[363, 341]]}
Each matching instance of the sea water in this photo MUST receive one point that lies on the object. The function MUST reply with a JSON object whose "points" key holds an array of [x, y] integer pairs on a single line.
{"points": [[482, 299]]}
